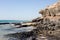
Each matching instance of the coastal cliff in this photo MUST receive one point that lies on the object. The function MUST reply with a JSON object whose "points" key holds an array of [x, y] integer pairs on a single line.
{"points": [[46, 27], [49, 23]]}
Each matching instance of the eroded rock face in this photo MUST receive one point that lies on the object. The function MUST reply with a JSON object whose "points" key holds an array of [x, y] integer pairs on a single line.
{"points": [[52, 12], [50, 23]]}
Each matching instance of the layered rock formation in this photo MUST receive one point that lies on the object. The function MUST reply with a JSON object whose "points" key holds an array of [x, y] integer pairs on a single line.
{"points": [[49, 23]]}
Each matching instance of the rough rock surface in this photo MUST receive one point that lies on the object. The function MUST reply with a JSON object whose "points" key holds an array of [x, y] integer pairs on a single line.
{"points": [[49, 23]]}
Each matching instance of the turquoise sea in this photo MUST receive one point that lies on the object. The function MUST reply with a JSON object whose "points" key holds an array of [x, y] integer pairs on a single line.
{"points": [[13, 21]]}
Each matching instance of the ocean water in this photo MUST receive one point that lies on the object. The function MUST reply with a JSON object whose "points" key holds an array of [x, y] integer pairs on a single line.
{"points": [[10, 29], [13, 21]]}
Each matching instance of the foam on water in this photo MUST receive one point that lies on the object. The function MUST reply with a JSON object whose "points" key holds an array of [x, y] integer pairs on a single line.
{"points": [[7, 29]]}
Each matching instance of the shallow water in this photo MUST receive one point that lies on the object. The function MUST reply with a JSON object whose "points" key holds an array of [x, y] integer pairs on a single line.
{"points": [[10, 29]]}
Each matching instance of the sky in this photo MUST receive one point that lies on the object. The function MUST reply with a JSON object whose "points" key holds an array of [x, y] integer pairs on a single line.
{"points": [[22, 9]]}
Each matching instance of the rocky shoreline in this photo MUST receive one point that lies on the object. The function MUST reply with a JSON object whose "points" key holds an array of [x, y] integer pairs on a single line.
{"points": [[47, 26]]}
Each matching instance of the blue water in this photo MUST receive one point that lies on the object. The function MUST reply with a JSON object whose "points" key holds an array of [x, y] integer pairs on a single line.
{"points": [[13, 21], [10, 29]]}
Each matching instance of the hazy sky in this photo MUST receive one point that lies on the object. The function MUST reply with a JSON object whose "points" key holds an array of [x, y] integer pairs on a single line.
{"points": [[22, 9]]}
